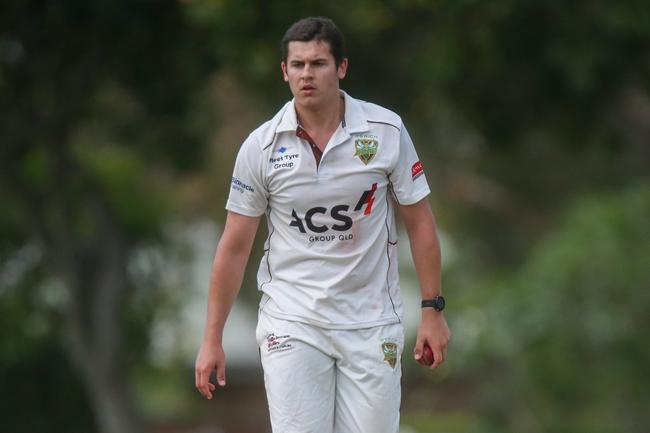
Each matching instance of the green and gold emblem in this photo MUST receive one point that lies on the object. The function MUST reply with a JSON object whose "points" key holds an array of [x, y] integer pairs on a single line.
{"points": [[390, 353], [365, 147]]}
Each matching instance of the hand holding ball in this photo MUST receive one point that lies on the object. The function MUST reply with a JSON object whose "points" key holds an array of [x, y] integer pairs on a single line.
{"points": [[427, 356]]}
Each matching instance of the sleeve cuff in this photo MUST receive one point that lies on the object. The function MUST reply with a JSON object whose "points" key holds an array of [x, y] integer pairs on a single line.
{"points": [[243, 210]]}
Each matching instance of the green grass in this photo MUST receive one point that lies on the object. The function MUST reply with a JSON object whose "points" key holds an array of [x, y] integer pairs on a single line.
{"points": [[445, 422]]}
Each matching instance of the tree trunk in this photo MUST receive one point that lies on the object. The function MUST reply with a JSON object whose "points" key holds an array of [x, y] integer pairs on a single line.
{"points": [[94, 327], [107, 389], [111, 402]]}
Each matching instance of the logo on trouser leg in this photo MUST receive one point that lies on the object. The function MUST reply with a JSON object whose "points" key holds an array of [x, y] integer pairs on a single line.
{"points": [[390, 352], [278, 343]]}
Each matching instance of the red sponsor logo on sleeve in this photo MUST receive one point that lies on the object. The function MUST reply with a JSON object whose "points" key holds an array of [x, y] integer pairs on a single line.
{"points": [[417, 170]]}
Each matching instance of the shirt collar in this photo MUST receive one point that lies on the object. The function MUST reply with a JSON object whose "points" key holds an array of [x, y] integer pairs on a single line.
{"points": [[354, 119], [289, 121]]}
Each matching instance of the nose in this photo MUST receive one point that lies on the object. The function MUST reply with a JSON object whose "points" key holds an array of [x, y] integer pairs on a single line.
{"points": [[306, 71]]}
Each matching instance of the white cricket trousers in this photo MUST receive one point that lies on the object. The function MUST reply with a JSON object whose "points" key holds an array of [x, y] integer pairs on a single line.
{"points": [[331, 381]]}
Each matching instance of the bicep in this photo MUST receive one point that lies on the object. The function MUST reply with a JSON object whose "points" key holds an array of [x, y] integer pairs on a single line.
{"points": [[239, 233], [417, 215]]}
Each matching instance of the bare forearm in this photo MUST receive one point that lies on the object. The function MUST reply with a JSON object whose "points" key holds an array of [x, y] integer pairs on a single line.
{"points": [[228, 272], [225, 282], [426, 257], [425, 249]]}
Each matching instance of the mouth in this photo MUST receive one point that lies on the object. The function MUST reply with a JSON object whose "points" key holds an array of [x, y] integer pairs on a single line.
{"points": [[308, 89]]}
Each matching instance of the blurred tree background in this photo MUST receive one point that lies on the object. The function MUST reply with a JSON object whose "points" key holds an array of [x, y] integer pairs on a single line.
{"points": [[120, 123]]}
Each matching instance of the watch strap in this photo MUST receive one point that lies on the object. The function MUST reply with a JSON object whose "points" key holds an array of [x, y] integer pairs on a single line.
{"points": [[437, 303]]}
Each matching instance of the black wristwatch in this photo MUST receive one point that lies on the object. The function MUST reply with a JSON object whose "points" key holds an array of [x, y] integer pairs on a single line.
{"points": [[437, 303]]}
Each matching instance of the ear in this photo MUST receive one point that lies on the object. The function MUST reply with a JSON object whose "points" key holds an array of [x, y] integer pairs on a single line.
{"points": [[283, 66], [342, 69]]}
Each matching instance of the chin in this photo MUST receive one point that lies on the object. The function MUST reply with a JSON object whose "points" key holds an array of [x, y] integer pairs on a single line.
{"points": [[307, 101]]}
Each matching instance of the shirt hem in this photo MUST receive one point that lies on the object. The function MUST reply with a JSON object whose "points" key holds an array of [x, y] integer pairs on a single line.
{"points": [[388, 320]]}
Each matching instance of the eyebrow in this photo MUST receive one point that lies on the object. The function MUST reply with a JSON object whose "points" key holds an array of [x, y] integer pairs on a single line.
{"points": [[316, 60]]}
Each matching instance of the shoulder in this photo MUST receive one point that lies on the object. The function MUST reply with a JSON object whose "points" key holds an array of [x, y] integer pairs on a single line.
{"points": [[377, 114], [264, 135]]}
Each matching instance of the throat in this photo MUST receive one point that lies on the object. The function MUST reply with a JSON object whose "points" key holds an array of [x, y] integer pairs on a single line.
{"points": [[318, 128], [316, 150], [321, 125]]}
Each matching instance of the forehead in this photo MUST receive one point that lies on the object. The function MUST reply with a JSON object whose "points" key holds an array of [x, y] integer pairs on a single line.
{"points": [[297, 50]]}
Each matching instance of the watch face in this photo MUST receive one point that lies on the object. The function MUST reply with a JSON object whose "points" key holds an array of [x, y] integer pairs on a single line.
{"points": [[440, 303]]}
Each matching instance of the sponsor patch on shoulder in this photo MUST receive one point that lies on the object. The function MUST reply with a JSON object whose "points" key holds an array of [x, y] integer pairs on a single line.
{"points": [[240, 186], [417, 170]]}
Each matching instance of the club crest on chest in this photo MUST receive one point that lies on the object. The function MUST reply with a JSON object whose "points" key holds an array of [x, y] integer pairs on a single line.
{"points": [[365, 147]]}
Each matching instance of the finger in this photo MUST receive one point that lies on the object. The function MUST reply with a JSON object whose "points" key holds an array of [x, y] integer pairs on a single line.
{"points": [[199, 382], [221, 373], [437, 358], [417, 350], [204, 380], [207, 390]]}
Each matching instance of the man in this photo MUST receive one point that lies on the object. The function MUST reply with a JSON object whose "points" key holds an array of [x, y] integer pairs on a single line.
{"points": [[328, 171]]}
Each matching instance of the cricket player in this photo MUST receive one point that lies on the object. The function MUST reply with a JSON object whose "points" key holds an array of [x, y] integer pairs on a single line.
{"points": [[329, 172]]}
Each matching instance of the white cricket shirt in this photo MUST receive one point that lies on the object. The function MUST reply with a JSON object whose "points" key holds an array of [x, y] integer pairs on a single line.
{"points": [[330, 258]]}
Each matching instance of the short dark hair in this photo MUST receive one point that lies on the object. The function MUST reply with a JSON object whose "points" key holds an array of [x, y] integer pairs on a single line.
{"points": [[315, 29]]}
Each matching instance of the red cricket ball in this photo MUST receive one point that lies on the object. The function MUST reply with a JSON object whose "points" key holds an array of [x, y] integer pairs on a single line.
{"points": [[427, 356]]}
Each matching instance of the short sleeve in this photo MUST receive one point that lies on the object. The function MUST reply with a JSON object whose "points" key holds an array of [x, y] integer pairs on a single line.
{"points": [[407, 178], [248, 194]]}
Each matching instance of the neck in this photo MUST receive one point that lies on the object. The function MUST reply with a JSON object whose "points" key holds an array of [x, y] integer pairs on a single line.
{"points": [[327, 116]]}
